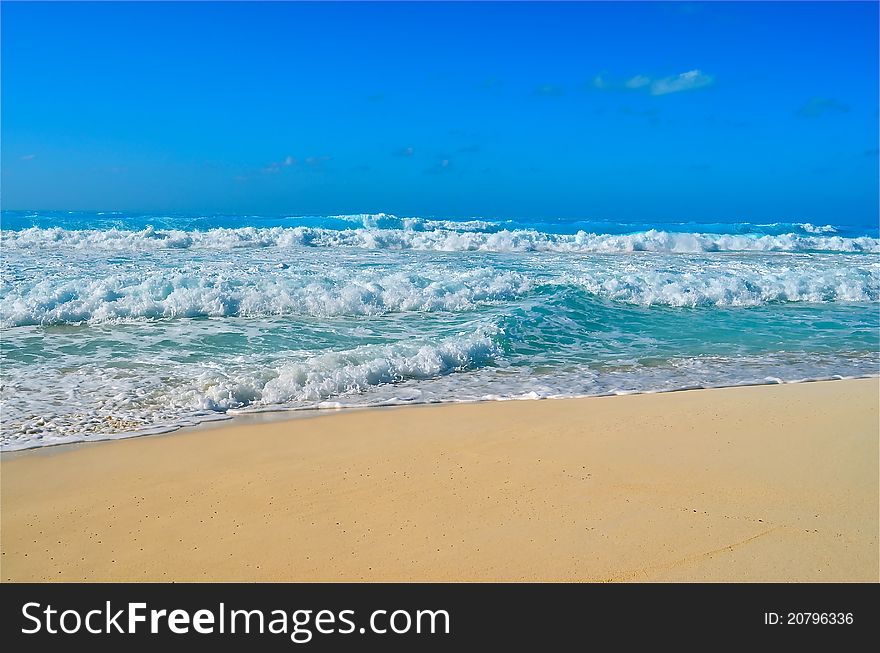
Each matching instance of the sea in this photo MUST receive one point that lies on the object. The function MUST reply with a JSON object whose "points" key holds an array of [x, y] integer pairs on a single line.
{"points": [[124, 324]]}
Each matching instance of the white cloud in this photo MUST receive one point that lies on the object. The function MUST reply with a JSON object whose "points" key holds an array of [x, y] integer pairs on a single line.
{"points": [[317, 160], [276, 166], [29, 157], [442, 165], [683, 82], [661, 86], [638, 81]]}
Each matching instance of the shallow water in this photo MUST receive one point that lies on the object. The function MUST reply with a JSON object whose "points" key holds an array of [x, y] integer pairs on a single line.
{"points": [[116, 323]]}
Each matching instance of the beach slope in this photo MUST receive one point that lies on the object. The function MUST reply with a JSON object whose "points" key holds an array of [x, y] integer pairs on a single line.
{"points": [[763, 483]]}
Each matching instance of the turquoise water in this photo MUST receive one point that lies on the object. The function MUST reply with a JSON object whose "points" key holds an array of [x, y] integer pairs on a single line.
{"points": [[119, 324]]}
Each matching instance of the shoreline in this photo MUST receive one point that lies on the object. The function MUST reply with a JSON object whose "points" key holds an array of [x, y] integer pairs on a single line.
{"points": [[246, 417], [763, 482]]}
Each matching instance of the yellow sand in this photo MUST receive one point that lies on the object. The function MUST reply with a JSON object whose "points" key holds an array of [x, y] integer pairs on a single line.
{"points": [[763, 484]]}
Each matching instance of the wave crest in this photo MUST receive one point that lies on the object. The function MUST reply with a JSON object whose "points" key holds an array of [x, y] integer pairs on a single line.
{"points": [[433, 239], [191, 293]]}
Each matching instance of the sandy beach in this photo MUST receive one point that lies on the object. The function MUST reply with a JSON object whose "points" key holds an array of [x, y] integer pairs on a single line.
{"points": [[764, 483]]}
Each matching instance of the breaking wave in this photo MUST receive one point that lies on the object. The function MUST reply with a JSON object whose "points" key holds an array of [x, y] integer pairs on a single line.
{"points": [[427, 239]]}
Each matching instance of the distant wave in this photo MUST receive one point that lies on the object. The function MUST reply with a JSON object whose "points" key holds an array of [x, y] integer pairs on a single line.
{"points": [[434, 239], [386, 221], [803, 226]]}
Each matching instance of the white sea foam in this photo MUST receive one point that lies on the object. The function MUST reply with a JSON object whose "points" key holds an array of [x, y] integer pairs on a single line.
{"points": [[336, 373], [380, 310], [386, 221], [814, 229], [808, 227], [104, 293], [94, 404], [440, 239], [82, 403], [217, 291], [736, 283]]}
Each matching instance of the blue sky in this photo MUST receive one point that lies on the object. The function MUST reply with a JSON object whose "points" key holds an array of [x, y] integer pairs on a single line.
{"points": [[627, 111]]}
